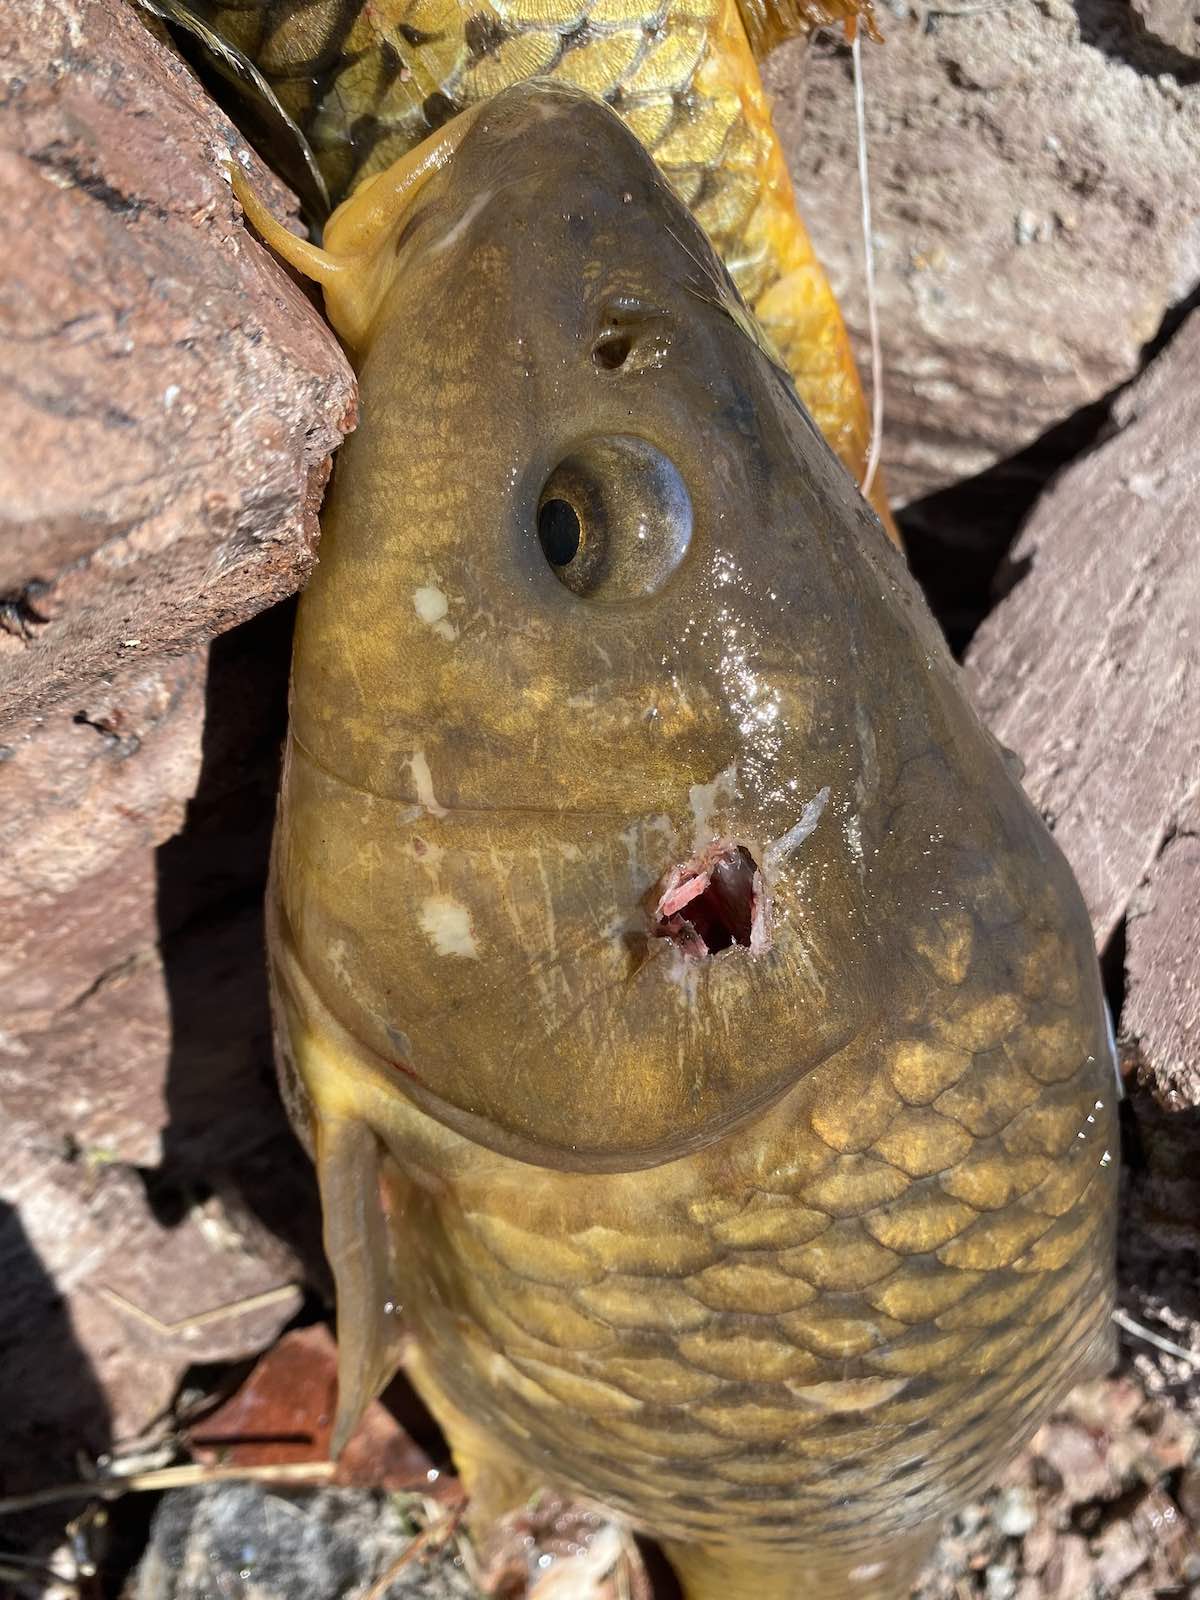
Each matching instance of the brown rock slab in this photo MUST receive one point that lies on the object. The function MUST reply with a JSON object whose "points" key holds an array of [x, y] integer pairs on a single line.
{"points": [[284, 1412], [105, 1307], [1161, 1018], [1035, 183], [146, 1175], [87, 794], [134, 826], [171, 399], [1090, 670]]}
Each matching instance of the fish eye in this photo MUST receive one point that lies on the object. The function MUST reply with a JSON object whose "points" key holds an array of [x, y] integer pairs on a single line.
{"points": [[614, 519]]}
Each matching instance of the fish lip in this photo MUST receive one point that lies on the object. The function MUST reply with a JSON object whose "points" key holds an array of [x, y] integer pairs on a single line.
{"points": [[730, 906]]}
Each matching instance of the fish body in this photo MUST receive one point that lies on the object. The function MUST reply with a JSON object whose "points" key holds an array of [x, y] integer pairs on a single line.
{"points": [[366, 83], [697, 1031]]}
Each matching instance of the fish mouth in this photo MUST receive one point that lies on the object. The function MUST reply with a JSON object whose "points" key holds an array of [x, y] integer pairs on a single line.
{"points": [[714, 902]]}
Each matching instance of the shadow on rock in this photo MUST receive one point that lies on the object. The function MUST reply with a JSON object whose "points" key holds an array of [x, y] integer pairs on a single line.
{"points": [[1140, 36], [1159, 1244], [958, 538], [52, 1407], [227, 1132]]}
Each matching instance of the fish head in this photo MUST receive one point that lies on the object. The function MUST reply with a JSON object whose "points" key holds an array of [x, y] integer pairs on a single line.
{"points": [[627, 769]]}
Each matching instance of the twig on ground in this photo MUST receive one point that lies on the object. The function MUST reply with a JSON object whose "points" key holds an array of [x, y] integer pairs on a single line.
{"points": [[202, 1319], [113, 1486], [432, 1537]]}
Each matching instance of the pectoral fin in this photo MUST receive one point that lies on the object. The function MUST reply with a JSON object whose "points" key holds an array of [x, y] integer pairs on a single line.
{"points": [[356, 1242], [328, 1098]]}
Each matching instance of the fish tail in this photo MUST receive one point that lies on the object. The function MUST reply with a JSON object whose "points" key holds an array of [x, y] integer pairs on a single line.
{"points": [[362, 84], [771, 22], [749, 211]]}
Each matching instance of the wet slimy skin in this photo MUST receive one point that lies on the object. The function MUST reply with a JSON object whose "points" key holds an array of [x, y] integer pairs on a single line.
{"points": [[697, 1031]]}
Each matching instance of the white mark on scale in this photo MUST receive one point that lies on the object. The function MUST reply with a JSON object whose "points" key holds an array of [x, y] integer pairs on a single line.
{"points": [[423, 782], [431, 606], [448, 925]]}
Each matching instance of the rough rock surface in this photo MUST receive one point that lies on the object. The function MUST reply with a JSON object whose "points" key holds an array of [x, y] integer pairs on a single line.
{"points": [[170, 403], [105, 1308], [1090, 670], [243, 1542], [146, 1172], [1171, 22], [1036, 189], [177, 394], [1161, 1016], [1100, 1505]]}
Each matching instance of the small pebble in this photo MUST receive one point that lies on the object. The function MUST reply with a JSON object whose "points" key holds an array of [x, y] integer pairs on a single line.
{"points": [[1001, 1582], [1015, 1514]]}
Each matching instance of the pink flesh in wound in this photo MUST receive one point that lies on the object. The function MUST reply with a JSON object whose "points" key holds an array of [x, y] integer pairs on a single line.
{"points": [[722, 900]]}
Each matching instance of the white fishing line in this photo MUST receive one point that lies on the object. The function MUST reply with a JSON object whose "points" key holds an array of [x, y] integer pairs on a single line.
{"points": [[1140, 1331], [864, 186]]}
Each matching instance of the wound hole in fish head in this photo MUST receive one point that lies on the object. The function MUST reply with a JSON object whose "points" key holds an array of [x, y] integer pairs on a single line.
{"points": [[714, 902]]}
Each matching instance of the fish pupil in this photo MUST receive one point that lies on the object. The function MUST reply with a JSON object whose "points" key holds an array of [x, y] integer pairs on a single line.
{"points": [[559, 532]]}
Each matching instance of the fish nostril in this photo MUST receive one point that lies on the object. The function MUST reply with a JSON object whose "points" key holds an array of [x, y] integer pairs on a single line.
{"points": [[611, 350], [630, 335], [713, 903]]}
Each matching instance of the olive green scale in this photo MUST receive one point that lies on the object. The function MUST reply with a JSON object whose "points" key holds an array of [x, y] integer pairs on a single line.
{"points": [[911, 1236]]}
